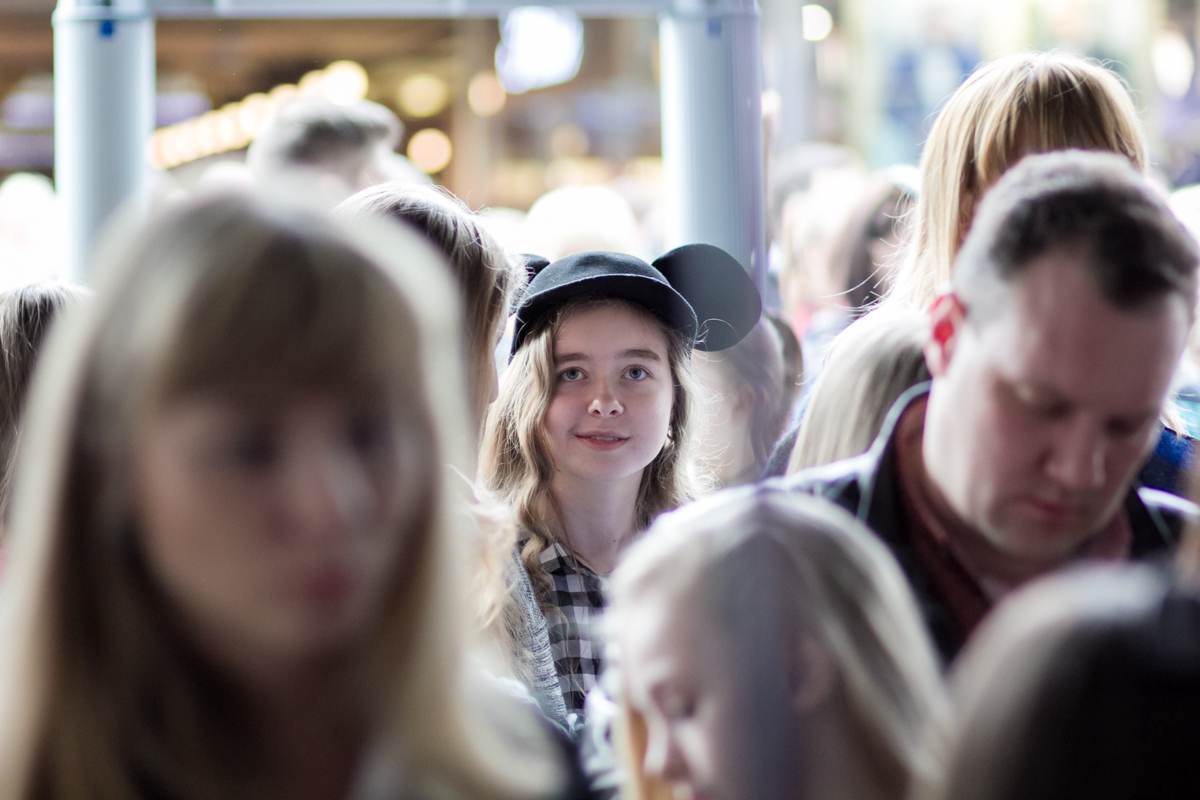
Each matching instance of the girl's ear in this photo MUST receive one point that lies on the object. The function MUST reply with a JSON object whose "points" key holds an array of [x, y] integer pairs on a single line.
{"points": [[813, 678]]}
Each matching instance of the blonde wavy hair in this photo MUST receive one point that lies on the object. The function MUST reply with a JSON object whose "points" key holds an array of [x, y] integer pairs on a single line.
{"points": [[1008, 108], [517, 461], [102, 695], [837, 581]]}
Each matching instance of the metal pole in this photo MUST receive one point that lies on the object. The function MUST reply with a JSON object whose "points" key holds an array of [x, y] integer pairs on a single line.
{"points": [[712, 128], [103, 114]]}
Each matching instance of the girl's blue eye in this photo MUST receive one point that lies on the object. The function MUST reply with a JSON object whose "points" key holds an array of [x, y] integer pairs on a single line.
{"points": [[571, 374], [637, 373]]}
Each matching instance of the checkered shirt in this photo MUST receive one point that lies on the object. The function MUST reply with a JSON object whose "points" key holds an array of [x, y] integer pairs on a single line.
{"points": [[574, 624]]}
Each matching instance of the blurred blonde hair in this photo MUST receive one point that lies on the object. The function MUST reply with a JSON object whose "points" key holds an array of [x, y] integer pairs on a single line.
{"points": [[101, 694], [868, 367], [843, 585], [1008, 108], [26, 313], [517, 461], [1038, 639], [488, 282]]}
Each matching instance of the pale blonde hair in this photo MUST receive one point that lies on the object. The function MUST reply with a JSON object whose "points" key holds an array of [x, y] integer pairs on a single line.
{"points": [[1011, 107], [517, 460], [868, 367], [836, 579], [102, 696]]}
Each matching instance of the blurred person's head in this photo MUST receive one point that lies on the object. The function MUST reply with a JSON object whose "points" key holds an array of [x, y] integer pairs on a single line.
{"points": [[1053, 355], [1084, 685], [868, 367], [340, 146], [1008, 108], [792, 173], [865, 249], [577, 219], [26, 314], [770, 647], [746, 407], [810, 279], [793, 358], [488, 282], [234, 510]]}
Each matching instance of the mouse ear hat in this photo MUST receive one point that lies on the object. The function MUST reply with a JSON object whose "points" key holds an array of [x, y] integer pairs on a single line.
{"points": [[698, 290]]}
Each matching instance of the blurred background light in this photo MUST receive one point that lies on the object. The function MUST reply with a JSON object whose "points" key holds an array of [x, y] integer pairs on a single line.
{"points": [[485, 95], [539, 46], [430, 150], [816, 21], [422, 95], [345, 82], [1174, 63]]}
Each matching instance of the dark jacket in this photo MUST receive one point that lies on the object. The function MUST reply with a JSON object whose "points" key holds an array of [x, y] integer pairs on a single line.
{"points": [[868, 487]]}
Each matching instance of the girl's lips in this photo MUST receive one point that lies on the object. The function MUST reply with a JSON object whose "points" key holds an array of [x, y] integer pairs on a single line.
{"points": [[602, 441]]}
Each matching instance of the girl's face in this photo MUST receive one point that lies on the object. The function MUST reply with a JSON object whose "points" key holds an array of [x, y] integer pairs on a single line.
{"points": [[676, 676], [613, 393], [272, 524]]}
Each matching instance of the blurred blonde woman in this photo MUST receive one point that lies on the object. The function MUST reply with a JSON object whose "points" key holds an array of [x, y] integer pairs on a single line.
{"points": [[487, 281], [770, 647], [488, 284], [1008, 108], [233, 567], [875, 361], [1083, 685]]}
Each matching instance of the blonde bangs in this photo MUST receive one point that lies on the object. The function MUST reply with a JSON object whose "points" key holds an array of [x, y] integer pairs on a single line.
{"points": [[300, 314]]}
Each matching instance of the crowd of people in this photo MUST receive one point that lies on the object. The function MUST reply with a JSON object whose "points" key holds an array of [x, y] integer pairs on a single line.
{"points": [[344, 499]]}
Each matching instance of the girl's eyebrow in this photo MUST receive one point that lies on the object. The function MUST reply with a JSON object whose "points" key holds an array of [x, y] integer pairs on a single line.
{"points": [[565, 357], [645, 355], [648, 355]]}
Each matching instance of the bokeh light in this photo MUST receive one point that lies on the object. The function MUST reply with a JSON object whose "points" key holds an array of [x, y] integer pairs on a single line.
{"points": [[423, 95], [817, 22], [486, 95], [430, 150]]}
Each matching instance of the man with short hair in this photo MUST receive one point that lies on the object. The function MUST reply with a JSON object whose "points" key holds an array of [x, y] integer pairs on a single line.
{"points": [[341, 148], [1051, 358]]}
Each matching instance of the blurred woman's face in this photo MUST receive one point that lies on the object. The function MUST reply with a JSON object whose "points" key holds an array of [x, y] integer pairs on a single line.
{"points": [[271, 523], [676, 676]]}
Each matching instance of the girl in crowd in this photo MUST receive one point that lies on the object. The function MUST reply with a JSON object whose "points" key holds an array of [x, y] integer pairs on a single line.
{"points": [[233, 564], [770, 647], [748, 407], [25, 316], [487, 283], [1083, 685], [590, 438]]}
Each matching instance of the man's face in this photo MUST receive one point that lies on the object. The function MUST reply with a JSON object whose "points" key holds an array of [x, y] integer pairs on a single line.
{"points": [[1041, 413]]}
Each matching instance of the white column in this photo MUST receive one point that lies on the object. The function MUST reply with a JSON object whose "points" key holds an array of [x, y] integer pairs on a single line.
{"points": [[712, 128], [103, 114]]}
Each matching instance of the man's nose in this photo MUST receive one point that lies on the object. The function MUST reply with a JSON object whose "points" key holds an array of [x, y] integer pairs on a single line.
{"points": [[1077, 461]]}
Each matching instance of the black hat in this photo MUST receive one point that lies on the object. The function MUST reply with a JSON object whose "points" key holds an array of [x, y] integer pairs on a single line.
{"points": [[698, 290]]}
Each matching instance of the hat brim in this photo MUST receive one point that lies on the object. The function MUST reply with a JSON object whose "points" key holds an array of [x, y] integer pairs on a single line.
{"points": [[662, 301]]}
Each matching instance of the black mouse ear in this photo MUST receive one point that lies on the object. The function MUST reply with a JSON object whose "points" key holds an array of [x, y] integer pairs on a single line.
{"points": [[532, 264], [725, 299]]}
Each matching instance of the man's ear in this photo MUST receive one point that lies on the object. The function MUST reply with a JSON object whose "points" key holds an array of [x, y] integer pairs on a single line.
{"points": [[947, 316]]}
